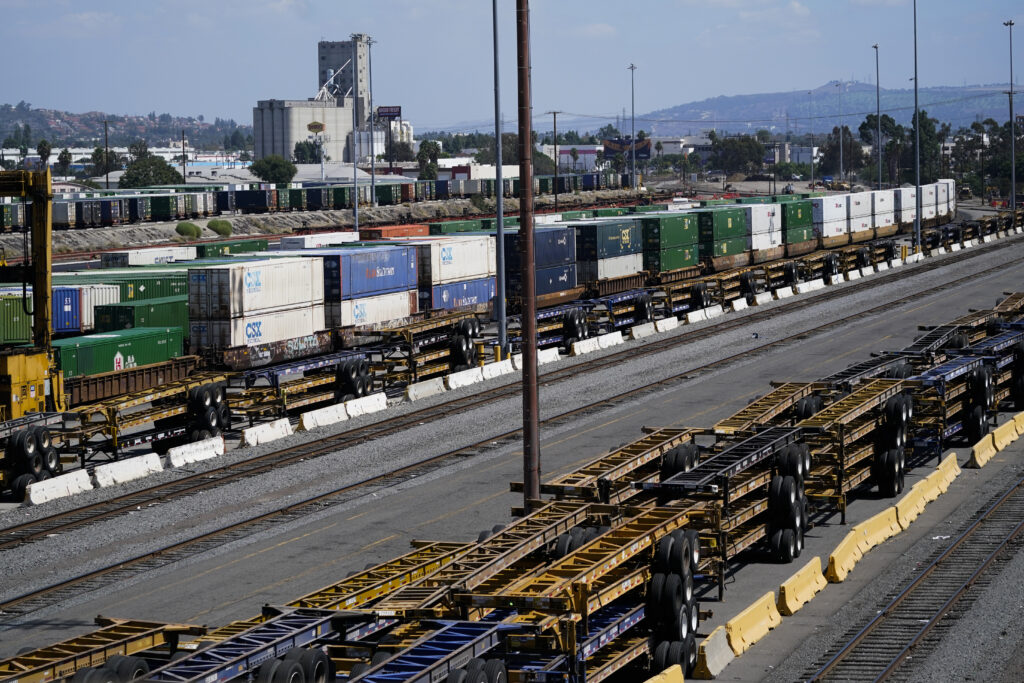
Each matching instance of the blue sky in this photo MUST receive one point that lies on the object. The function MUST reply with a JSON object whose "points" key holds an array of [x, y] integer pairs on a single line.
{"points": [[433, 57]]}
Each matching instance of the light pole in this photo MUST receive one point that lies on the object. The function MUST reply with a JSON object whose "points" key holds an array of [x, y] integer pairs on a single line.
{"points": [[1013, 134], [811, 126], [878, 117], [106, 152], [917, 148], [841, 136], [355, 132], [499, 190], [373, 128], [554, 124], [632, 139]]}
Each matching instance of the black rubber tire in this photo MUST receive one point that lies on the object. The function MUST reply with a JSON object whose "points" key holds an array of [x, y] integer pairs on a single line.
{"points": [[224, 416], [456, 676], [659, 660], [51, 461], [265, 673], [209, 418], [888, 474], [799, 541], [129, 668], [775, 488], [28, 444], [975, 424], [477, 676], [362, 367], [12, 449], [289, 671], [687, 585], [32, 463], [473, 665], [669, 464], [774, 541], [360, 668], [789, 492], [688, 458], [496, 671], [43, 476], [805, 453], [787, 546], [694, 616], [672, 594], [694, 549], [677, 652], [679, 561], [562, 545], [691, 655], [205, 395], [42, 438], [317, 666], [378, 657], [653, 605], [663, 554], [82, 674], [791, 463]]}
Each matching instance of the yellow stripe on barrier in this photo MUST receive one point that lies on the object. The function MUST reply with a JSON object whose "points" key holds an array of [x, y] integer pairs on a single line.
{"points": [[982, 452], [1018, 420], [713, 654], [752, 624], [875, 530], [843, 559], [912, 504], [673, 674], [801, 587], [1005, 434]]}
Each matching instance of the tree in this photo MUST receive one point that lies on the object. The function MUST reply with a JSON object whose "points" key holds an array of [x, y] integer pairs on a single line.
{"points": [[853, 153], [403, 151], [739, 153], [305, 153], [238, 140], [429, 151], [102, 162], [43, 149], [763, 136], [138, 150], [274, 169], [574, 154], [658, 147], [148, 171], [428, 172], [608, 132], [63, 166]]}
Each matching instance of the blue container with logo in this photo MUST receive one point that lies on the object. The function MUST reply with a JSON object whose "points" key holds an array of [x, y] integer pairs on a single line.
{"points": [[356, 272], [551, 247], [66, 303], [549, 280], [458, 294]]}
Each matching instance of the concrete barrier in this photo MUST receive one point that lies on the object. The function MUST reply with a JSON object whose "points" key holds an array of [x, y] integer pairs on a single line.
{"points": [[852, 275], [810, 286], [374, 403], [667, 324], [458, 380], [798, 589], [585, 346], [611, 339], [914, 258], [968, 244], [713, 655], [763, 298], [545, 356], [877, 529], [673, 674], [843, 559], [949, 468], [752, 624], [954, 247], [714, 311], [911, 505], [58, 487], [645, 330], [426, 388], [131, 469], [265, 433], [1018, 420], [195, 452], [895, 263], [499, 369], [696, 316], [783, 292], [322, 417], [865, 272], [517, 361], [739, 305], [1005, 434], [881, 266], [982, 452]]}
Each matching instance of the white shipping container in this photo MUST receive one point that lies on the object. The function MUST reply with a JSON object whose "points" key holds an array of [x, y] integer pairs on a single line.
{"points": [[905, 204], [323, 239], [147, 257], [601, 269], [859, 204], [762, 218], [885, 220], [882, 201], [833, 228], [372, 310], [259, 328], [472, 186], [928, 212], [941, 193], [759, 241], [95, 295], [860, 223], [454, 259], [238, 289], [928, 196], [829, 209], [546, 218]]}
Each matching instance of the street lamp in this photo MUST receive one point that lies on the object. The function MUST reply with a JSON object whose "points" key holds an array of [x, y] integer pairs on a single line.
{"points": [[355, 131], [839, 85], [632, 97], [878, 117], [917, 147], [811, 126], [373, 154], [1013, 134], [499, 190]]}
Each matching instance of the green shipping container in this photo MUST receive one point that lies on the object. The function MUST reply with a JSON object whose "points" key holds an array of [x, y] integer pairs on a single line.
{"points": [[796, 215], [671, 258], [610, 212], [145, 285], [798, 235], [296, 199], [720, 224], [669, 230], [449, 227], [15, 324], [171, 311], [607, 239], [163, 207], [95, 354], [232, 247], [576, 215], [649, 208], [726, 247], [754, 200]]}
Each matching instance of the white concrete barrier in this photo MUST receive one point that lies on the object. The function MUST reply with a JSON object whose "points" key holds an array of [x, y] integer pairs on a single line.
{"points": [[968, 244], [429, 387], [714, 311], [954, 247], [492, 370], [322, 417], [881, 266], [896, 263], [913, 258], [1017, 230], [783, 292], [645, 330], [265, 433], [810, 286], [696, 316], [763, 298], [739, 304], [611, 339], [374, 403], [123, 471], [865, 272], [585, 346], [517, 361], [852, 275], [457, 380], [545, 356], [58, 487], [195, 452], [666, 324]]}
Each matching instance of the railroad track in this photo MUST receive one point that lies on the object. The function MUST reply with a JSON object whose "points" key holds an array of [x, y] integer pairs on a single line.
{"points": [[905, 626], [16, 535]]}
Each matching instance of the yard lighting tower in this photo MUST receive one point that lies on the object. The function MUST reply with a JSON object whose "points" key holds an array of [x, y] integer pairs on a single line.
{"points": [[1013, 133], [632, 140], [373, 126], [811, 126], [839, 85], [355, 132], [878, 117], [917, 147], [499, 190]]}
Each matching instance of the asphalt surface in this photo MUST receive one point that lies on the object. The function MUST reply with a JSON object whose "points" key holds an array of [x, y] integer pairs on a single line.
{"points": [[455, 502]]}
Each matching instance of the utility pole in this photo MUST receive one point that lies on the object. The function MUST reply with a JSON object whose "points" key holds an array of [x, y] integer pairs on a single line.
{"points": [[841, 135], [373, 127], [811, 126], [355, 132], [554, 115], [878, 116], [184, 174], [917, 148], [632, 139], [499, 190], [531, 406], [1013, 134], [106, 152]]}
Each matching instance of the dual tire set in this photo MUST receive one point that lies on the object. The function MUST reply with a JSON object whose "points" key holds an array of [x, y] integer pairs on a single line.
{"points": [[980, 399], [888, 468], [461, 348], [575, 327], [208, 412], [31, 455], [117, 669], [671, 607], [787, 503], [352, 380], [298, 665]]}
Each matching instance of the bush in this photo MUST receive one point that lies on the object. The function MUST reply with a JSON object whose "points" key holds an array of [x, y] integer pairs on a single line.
{"points": [[220, 226], [186, 229]]}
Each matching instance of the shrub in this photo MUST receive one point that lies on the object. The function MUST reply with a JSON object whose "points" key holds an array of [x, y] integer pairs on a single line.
{"points": [[220, 226], [187, 229]]}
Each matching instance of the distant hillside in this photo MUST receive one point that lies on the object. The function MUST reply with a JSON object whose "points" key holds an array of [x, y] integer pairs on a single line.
{"points": [[958, 106], [63, 128]]}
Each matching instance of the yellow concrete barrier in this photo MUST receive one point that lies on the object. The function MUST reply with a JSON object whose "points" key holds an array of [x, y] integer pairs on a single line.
{"points": [[875, 530], [801, 587], [1005, 434], [713, 655], [928, 488], [939, 481], [982, 452], [950, 468], [843, 559], [673, 674], [911, 505], [1018, 420], [752, 624]]}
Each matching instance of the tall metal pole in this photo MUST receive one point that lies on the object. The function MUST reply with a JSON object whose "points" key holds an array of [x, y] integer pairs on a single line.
{"points": [[184, 158], [841, 135], [878, 117], [373, 127], [499, 191], [1013, 134], [632, 138], [811, 93], [531, 406], [355, 132], [106, 152], [917, 148], [554, 124]]}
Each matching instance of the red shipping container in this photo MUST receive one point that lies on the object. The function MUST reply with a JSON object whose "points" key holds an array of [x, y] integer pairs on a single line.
{"points": [[408, 192], [389, 231]]}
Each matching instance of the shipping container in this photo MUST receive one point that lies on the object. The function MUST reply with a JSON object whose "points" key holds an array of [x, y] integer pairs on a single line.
{"points": [[166, 312], [884, 220], [663, 231], [318, 240], [226, 201], [883, 201], [63, 215], [454, 259], [928, 197], [448, 227], [458, 295], [15, 323], [833, 228], [254, 329], [797, 214], [829, 209], [212, 249], [548, 280], [607, 239], [725, 247], [670, 258], [905, 203], [256, 200], [721, 224], [146, 257], [373, 310], [798, 235], [111, 351], [860, 223], [603, 269], [356, 272], [239, 289], [762, 218], [553, 246], [388, 231], [858, 204]]}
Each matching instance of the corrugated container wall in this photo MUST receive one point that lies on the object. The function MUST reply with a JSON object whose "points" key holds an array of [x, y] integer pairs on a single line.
{"points": [[859, 204], [829, 209], [607, 239], [458, 294], [553, 246], [324, 239], [548, 280], [234, 290], [455, 259], [257, 328], [373, 310], [883, 201], [617, 266], [110, 351]]}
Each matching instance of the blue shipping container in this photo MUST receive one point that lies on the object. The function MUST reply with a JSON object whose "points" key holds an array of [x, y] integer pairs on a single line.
{"points": [[551, 247], [441, 189], [66, 303], [357, 272], [459, 294], [549, 280]]}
